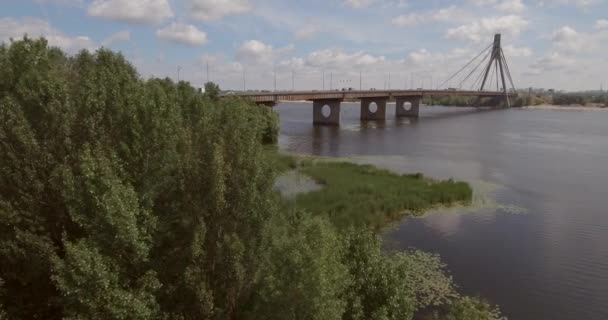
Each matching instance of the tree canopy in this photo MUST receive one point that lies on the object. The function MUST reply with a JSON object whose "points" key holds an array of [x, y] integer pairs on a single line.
{"points": [[127, 198]]}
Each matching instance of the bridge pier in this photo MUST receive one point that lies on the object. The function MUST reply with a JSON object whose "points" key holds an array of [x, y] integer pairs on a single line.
{"points": [[412, 111], [332, 116], [368, 114]]}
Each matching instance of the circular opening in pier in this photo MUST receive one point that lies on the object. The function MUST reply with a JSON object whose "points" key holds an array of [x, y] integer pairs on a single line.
{"points": [[373, 107], [326, 111], [407, 106]]}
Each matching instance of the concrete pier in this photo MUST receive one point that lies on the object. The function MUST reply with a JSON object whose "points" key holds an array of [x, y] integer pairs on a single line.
{"points": [[333, 118], [403, 111], [378, 114]]}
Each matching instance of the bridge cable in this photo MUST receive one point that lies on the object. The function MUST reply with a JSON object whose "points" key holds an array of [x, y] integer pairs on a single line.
{"points": [[507, 68], [491, 75], [473, 71], [495, 73], [466, 65], [474, 86]]}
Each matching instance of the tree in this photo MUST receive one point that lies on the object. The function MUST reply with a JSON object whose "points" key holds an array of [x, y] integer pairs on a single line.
{"points": [[303, 275], [105, 273], [212, 90], [467, 308], [392, 286], [123, 198]]}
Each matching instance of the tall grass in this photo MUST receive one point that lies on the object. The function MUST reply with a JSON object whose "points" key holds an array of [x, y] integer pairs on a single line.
{"points": [[362, 195]]}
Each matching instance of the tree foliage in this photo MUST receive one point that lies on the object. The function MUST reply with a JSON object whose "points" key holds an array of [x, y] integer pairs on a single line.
{"points": [[467, 308], [124, 198]]}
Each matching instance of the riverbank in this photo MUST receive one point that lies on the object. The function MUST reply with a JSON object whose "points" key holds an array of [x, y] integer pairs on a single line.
{"points": [[597, 107], [359, 195]]}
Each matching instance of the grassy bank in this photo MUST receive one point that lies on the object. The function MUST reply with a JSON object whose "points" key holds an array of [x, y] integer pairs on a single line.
{"points": [[363, 195]]}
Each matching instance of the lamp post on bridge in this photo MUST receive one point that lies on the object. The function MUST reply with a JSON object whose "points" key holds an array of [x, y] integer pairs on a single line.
{"points": [[323, 79]]}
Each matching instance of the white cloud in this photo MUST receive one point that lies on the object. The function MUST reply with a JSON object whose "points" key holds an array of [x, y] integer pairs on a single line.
{"points": [[210, 10], [482, 2], [255, 52], [134, 11], [482, 30], [551, 62], [182, 33], [583, 4], [405, 20], [116, 37], [516, 52], [34, 27], [568, 39], [512, 6], [306, 32], [336, 58], [438, 62], [357, 4], [579, 3], [449, 14], [601, 24], [75, 3]]}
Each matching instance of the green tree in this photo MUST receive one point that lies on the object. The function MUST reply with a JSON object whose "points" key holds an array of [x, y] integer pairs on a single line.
{"points": [[129, 199], [303, 277], [467, 308], [212, 90], [35, 117], [104, 273], [392, 286]]}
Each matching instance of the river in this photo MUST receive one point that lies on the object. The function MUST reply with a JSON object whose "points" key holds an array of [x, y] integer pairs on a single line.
{"points": [[536, 240]]}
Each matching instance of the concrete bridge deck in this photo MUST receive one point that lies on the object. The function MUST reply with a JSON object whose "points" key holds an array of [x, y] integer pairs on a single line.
{"points": [[278, 96], [326, 104]]}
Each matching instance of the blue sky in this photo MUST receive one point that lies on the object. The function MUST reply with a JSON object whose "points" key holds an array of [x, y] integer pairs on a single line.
{"points": [[549, 43]]}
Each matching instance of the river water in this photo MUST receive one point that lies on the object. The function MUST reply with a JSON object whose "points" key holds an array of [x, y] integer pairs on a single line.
{"points": [[535, 241]]}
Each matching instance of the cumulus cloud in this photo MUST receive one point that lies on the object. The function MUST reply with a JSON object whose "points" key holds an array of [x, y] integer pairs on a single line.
{"points": [[133, 11], [182, 33], [34, 27], [210, 10], [75, 3], [551, 62], [483, 29], [255, 52], [601, 24], [568, 39], [482, 2], [306, 32], [449, 14], [516, 52], [358, 3], [337, 58], [513, 6], [578, 3], [116, 37]]}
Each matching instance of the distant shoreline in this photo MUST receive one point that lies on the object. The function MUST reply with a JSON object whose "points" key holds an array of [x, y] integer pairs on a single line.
{"points": [[567, 107]]}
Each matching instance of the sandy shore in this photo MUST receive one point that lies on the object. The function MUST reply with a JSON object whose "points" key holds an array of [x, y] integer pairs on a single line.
{"points": [[569, 107]]}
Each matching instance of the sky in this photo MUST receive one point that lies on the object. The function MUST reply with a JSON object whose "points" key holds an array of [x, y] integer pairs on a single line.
{"points": [[316, 44]]}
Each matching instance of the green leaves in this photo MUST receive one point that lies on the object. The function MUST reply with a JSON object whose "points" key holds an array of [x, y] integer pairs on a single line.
{"points": [[467, 308], [123, 198], [391, 286], [303, 275], [95, 286]]}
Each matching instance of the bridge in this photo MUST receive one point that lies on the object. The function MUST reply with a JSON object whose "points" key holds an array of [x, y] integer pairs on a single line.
{"points": [[326, 104]]}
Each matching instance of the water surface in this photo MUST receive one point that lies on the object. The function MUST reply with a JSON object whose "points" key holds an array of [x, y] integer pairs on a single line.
{"points": [[536, 242]]}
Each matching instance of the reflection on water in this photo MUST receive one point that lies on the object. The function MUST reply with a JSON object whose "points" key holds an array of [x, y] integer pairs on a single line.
{"points": [[551, 262]]}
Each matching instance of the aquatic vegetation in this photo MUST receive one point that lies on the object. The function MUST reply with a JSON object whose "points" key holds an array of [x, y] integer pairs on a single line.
{"points": [[362, 195]]}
